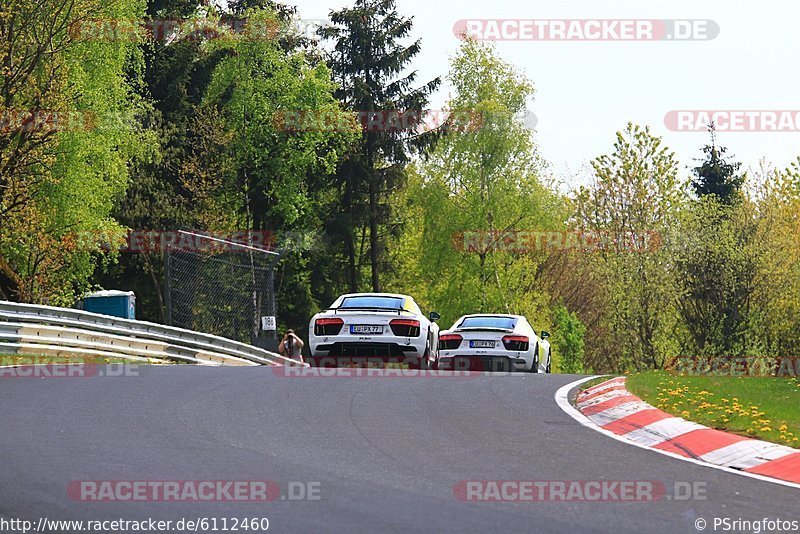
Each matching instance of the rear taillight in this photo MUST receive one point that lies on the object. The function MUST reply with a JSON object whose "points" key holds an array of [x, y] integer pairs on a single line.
{"points": [[450, 341], [328, 326], [405, 327], [516, 343]]}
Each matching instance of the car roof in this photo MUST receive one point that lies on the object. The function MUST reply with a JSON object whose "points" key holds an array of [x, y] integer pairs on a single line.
{"points": [[498, 315], [389, 295]]}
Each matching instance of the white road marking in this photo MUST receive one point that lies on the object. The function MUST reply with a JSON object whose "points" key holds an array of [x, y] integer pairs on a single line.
{"points": [[618, 412], [660, 431], [748, 454]]}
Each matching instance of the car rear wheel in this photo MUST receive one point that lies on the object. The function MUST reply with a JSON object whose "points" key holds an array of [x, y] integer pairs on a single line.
{"points": [[535, 366], [424, 363]]}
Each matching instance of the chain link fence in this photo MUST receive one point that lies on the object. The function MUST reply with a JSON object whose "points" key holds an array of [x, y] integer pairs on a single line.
{"points": [[222, 287]]}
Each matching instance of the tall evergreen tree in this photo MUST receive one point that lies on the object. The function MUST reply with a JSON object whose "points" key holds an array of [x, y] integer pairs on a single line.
{"points": [[717, 174], [369, 62]]}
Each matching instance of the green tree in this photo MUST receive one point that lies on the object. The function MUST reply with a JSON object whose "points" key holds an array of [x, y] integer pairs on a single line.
{"points": [[774, 325], [197, 182], [716, 175], [632, 203], [717, 261], [479, 188], [176, 76], [717, 265], [61, 173], [568, 341], [271, 174], [369, 63]]}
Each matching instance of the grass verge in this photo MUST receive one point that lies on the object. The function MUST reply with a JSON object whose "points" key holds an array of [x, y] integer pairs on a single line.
{"points": [[762, 408], [36, 359]]}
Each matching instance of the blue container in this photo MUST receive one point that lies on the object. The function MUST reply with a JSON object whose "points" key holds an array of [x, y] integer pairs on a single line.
{"points": [[115, 303]]}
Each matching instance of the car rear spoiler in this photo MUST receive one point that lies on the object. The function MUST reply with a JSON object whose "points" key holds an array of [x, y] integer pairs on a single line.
{"points": [[398, 310]]}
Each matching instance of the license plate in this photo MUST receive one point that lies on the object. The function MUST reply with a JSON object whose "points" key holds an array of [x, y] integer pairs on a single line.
{"points": [[481, 344], [366, 329]]}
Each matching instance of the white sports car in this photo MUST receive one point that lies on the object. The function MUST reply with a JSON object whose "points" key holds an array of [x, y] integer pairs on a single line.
{"points": [[374, 329], [494, 343]]}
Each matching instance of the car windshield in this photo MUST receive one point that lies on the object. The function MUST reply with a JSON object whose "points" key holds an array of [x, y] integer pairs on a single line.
{"points": [[381, 303], [505, 323]]}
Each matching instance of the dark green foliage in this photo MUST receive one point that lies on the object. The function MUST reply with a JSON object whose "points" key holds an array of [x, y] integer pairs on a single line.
{"points": [[568, 340], [369, 62], [716, 175]]}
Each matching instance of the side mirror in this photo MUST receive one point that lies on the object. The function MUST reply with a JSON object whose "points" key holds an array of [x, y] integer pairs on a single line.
{"points": [[435, 317], [545, 335]]}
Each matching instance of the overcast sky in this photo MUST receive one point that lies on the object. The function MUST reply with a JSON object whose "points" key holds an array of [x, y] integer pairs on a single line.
{"points": [[586, 91]]}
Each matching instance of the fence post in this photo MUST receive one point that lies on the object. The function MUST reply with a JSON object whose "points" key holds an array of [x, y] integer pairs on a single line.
{"points": [[168, 284]]}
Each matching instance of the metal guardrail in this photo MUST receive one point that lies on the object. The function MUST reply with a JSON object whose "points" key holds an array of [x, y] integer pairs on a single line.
{"points": [[45, 330]]}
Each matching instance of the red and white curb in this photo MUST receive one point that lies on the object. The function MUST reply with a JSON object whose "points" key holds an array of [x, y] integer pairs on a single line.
{"points": [[611, 409]]}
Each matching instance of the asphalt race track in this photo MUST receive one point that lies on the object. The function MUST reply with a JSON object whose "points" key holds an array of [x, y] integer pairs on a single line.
{"points": [[385, 453]]}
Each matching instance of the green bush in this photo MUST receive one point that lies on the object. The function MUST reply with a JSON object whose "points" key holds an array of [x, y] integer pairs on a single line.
{"points": [[568, 340]]}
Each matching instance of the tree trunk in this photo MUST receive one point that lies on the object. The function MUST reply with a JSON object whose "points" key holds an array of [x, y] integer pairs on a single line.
{"points": [[352, 269], [374, 241], [10, 282]]}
